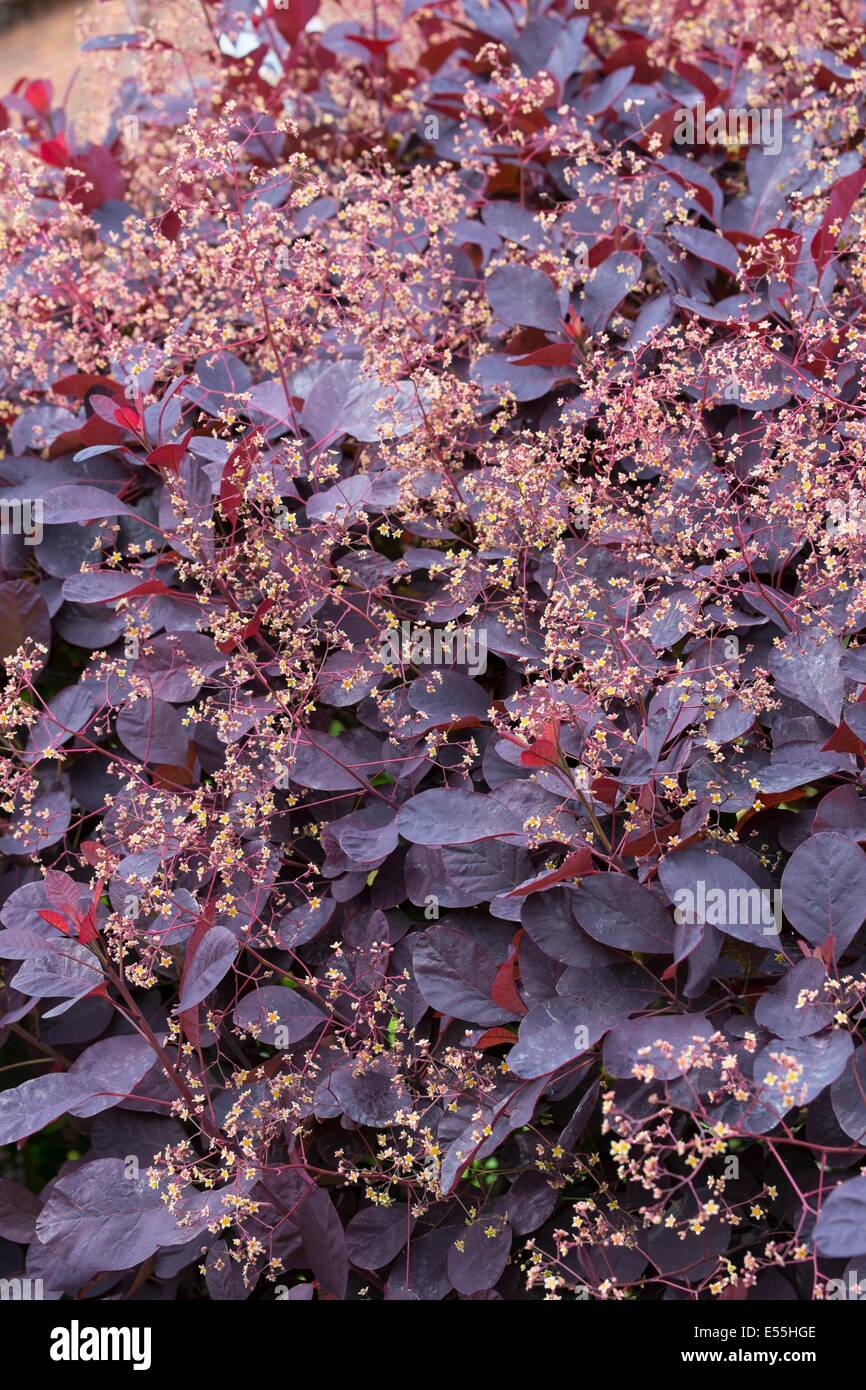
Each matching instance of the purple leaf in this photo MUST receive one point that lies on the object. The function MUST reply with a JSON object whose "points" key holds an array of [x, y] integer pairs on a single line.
{"points": [[707, 247], [712, 889], [454, 818], [81, 503], [669, 1043], [809, 670], [444, 697], [371, 1094], [343, 400], [69, 712], [98, 1218], [211, 962], [224, 1276], [842, 811], [692, 1256], [607, 287], [376, 1235], [840, 1230], [311, 1210], [497, 376], [101, 1077], [19, 1209], [818, 1062], [824, 889], [153, 730], [326, 764], [108, 1071], [23, 614], [423, 1272], [550, 921], [778, 1008], [366, 836], [63, 969], [455, 974], [518, 294], [27, 1108], [618, 912], [464, 875], [479, 1254], [553, 1034], [276, 1014], [848, 1096]]}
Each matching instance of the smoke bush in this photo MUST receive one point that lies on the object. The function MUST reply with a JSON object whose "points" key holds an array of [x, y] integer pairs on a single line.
{"points": [[434, 723]]}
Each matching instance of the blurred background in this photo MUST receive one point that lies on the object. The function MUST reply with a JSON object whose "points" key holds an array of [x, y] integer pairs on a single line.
{"points": [[37, 37], [42, 39]]}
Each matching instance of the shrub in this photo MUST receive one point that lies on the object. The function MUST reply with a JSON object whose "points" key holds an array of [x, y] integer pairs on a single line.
{"points": [[432, 608]]}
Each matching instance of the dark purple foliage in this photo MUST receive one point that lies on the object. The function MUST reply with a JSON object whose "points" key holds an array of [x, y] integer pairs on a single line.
{"points": [[434, 777]]}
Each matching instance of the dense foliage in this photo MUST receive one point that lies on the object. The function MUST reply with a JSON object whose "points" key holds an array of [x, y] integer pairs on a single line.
{"points": [[435, 710]]}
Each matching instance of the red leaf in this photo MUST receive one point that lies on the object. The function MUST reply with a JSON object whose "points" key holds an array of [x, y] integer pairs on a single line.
{"points": [[234, 478], [822, 354], [842, 200], [541, 754], [633, 54], [827, 950], [86, 923], [170, 225], [778, 243], [697, 78], [55, 152], [293, 20], [699, 193], [574, 865], [96, 178], [575, 326], [129, 419], [660, 131], [554, 355], [62, 893], [843, 740], [170, 456], [148, 586], [87, 928], [55, 919], [640, 843], [605, 789], [495, 1037], [39, 95], [544, 752], [77, 384], [93, 431], [504, 990], [374, 46], [189, 1018], [252, 629]]}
